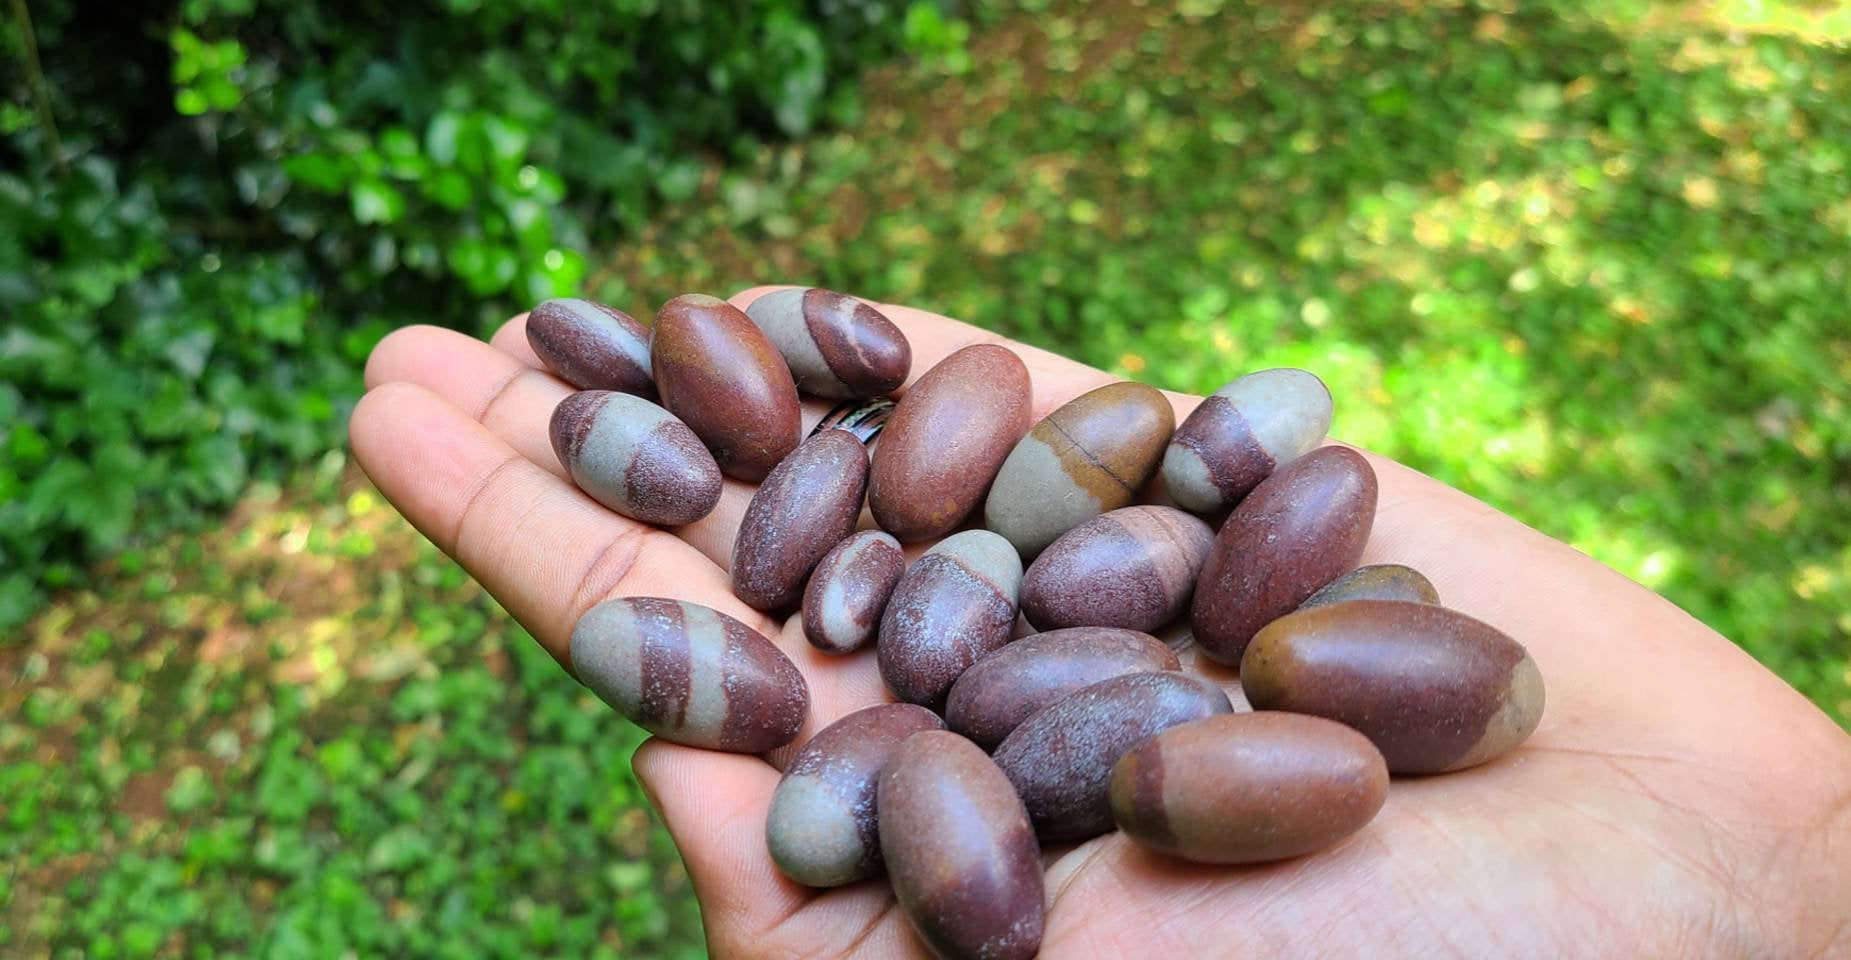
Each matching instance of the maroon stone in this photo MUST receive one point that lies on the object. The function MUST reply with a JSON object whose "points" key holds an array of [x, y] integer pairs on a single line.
{"points": [[1060, 759], [806, 506], [1297, 531], [849, 590], [718, 373], [994, 696], [592, 346], [1134, 568], [947, 439], [960, 851]]}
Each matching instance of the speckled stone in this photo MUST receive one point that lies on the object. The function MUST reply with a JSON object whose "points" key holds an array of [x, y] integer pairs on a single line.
{"points": [[836, 345], [1060, 759], [822, 829], [717, 372], [1434, 689], [1297, 531], [689, 674], [848, 591], [1000, 691], [1242, 433], [1135, 567], [635, 457], [1380, 581], [805, 507], [1248, 788], [592, 346], [956, 604], [863, 418], [946, 440], [1091, 455], [960, 851]]}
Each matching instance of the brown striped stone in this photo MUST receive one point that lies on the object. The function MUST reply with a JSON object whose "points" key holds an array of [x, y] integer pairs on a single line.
{"points": [[635, 457], [1434, 689], [849, 589], [1060, 759], [1135, 568], [836, 346], [1297, 531], [960, 851], [1000, 691], [1091, 455], [823, 829], [946, 440], [806, 506], [592, 346], [956, 604], [717, 372], [690, 674], [1243, 432], [1248, 788], [1380, 581]]}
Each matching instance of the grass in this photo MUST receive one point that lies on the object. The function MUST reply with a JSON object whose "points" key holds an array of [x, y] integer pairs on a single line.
{"points": [[1590, 268]]}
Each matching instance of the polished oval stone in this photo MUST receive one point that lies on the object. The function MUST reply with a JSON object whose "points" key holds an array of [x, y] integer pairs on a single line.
{"points": [[946, 440], [1000, 691], [960, 851], [1060, 759], [1434, 689], [956, 604], [592, 346], [717, 371], [823, 829], [1297, 531], [690, 674], [806, 506], [1248, 788], [1242, 433], [635, 457], [836, 346], [863, 418], [1135, 568], [849, 589], [1091, 455], [1380, 581]]}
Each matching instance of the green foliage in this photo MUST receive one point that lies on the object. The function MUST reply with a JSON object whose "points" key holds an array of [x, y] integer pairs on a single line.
{"points": [[251, 192], [380, 764]]}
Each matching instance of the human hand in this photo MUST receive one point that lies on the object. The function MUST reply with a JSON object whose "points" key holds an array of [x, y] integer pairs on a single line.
{"points": [[1677, 800]]}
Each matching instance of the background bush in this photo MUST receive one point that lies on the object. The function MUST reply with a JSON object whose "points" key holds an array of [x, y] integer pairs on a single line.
{"points": [[245, 194]]}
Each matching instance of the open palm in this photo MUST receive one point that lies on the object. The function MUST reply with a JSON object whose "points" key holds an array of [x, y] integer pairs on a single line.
{"points": [[1677, 800]]}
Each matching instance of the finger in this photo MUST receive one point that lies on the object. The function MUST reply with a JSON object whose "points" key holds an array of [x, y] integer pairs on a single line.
{"points": [[541, 547], [511, 339], [514, 401], [714, 805]]}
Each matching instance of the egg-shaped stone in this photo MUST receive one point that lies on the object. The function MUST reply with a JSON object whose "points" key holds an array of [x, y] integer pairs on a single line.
{"points": [[849, 589], [806, 506], [592, 346], [1092, 454], [823, 829], [1001, 690], [1378, 581], [1060, 759], [945, 441], [1297, 531], [954, 605], [635, 457], [1434, 689], [960, 851], [1248, 788], [690, 674], [1134, 567], [1241, 433], [836, 346], [716, 370]]}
